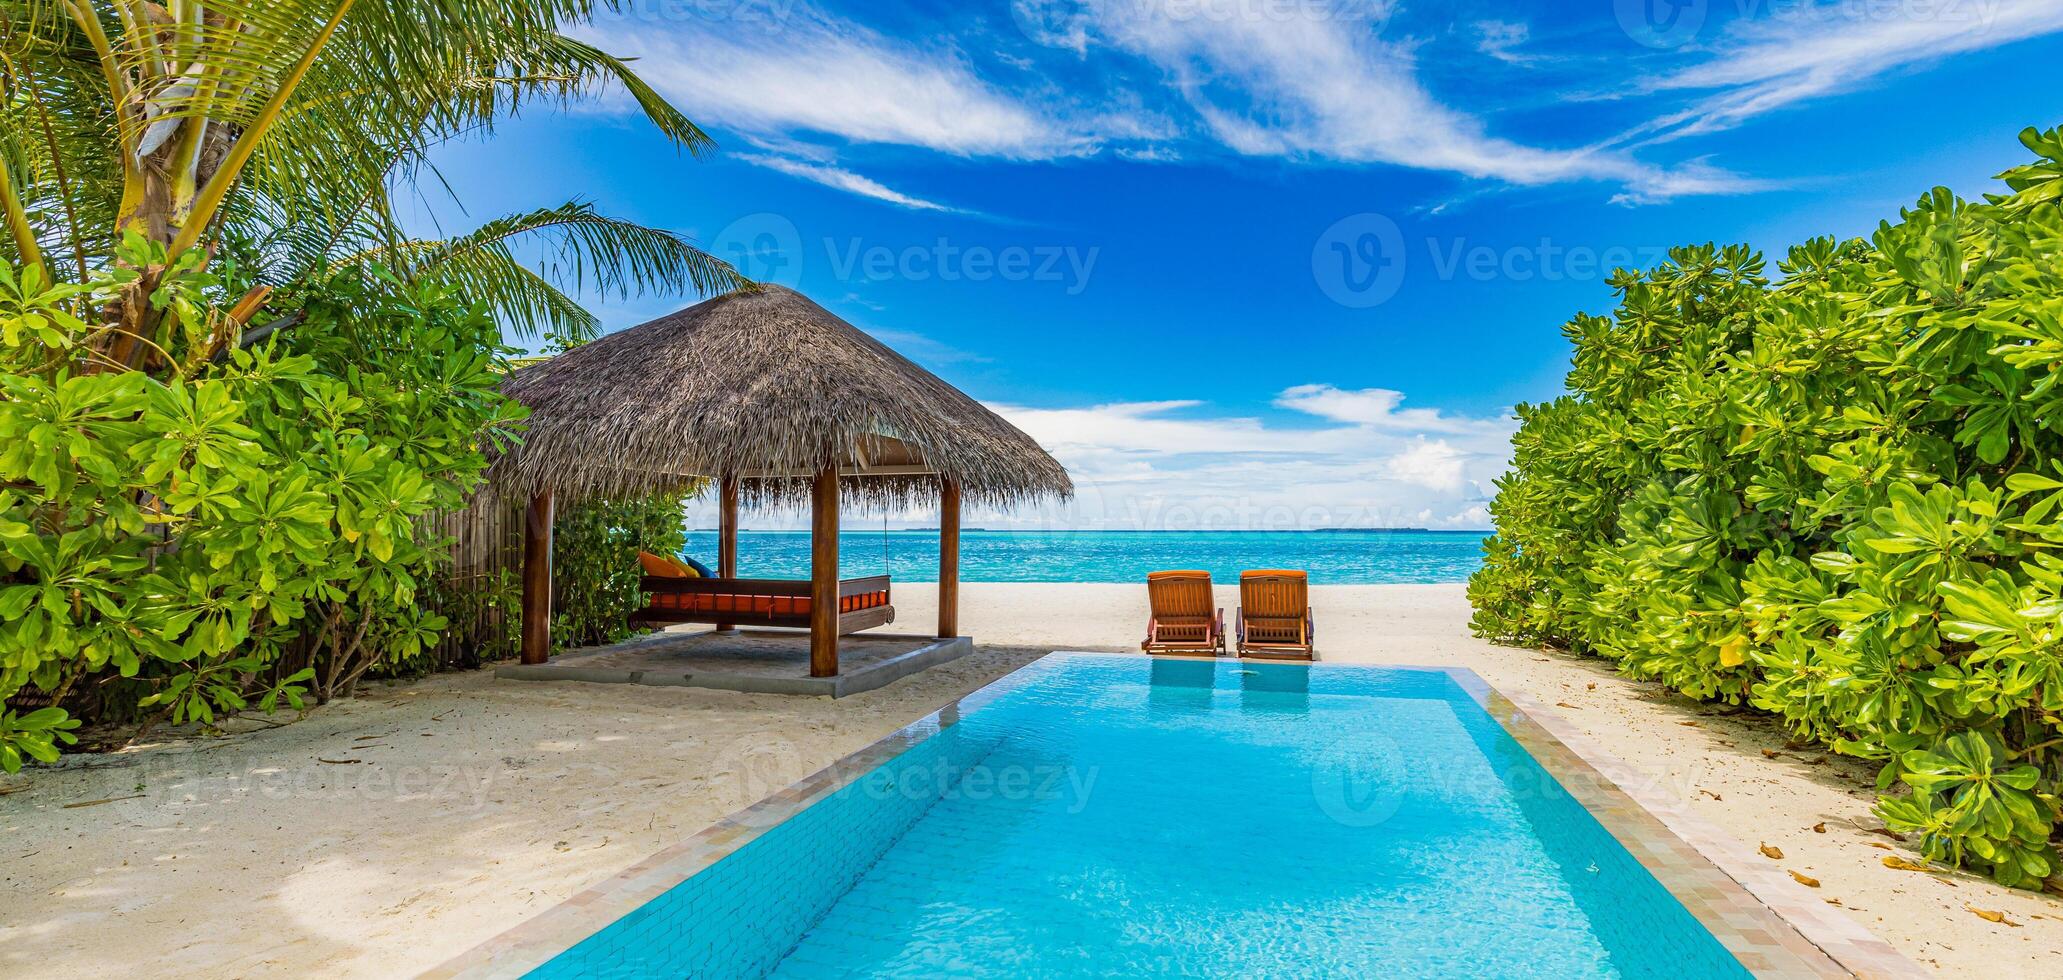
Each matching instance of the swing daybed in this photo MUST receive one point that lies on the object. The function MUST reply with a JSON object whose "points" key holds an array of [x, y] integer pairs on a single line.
{"points": [[863, 603]]}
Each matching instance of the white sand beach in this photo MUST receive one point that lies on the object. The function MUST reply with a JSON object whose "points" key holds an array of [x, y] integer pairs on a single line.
{"points": [[385, 834]]}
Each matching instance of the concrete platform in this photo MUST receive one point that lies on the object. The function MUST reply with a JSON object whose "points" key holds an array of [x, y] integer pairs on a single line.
{"points": [[758, 661]]}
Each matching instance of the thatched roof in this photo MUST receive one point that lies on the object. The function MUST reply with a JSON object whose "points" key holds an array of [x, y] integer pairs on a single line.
{"points": [[769, 386]]}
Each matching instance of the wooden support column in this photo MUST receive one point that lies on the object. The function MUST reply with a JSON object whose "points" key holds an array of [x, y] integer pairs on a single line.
{"points": [[948, 558], [823, 575], [727, 536], [537, 580]]}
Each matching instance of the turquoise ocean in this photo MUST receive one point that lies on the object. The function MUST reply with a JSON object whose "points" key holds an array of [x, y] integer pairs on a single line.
{"points": [[1332, 557]]}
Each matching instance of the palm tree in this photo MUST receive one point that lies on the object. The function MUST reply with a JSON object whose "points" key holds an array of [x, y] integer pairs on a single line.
{"points": [[276, 133]]}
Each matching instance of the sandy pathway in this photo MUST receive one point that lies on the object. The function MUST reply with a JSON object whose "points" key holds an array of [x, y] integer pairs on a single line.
{"points": [[386, 834]]}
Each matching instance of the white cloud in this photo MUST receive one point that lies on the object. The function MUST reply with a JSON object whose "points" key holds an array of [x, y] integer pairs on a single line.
{"points": [[1433, 464], [1806, 51], [1180, 464], [1378, 408], [841, 179], [809, 72]]}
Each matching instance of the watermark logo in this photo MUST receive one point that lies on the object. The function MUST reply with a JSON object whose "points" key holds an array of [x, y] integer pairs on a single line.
{"points": [[1663, 24], [768, 247], [763, 247], [1361, 784], [1359, 261], [756, 766]]}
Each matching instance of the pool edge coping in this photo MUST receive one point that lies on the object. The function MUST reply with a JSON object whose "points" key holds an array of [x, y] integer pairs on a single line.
{"points": [[1616, 794]]}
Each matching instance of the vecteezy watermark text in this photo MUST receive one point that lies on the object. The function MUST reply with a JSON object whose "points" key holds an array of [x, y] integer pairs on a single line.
{"points": [[855, 261], [1361, 260], [767, 247]]}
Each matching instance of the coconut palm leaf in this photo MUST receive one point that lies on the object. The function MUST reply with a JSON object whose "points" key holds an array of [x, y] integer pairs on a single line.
{"points": [[280, 132], [582, 248]]}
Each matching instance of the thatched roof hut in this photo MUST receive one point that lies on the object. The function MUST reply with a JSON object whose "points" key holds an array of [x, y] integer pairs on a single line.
{"points": [[767, 386], [779, 401]]}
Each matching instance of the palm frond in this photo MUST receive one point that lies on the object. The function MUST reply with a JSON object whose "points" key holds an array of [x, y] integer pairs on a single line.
{"points": [[583, 248]]}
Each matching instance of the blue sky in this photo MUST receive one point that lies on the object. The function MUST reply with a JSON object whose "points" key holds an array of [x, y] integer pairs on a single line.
{"points": [[1268, 263]]}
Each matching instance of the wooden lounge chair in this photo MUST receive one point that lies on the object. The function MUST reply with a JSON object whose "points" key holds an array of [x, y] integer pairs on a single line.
{"points": [[1275, 615], [1185, 617], [863, 603]]}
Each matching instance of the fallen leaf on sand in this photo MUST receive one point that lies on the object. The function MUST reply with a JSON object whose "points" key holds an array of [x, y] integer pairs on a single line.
{"points": [[341, 762], [1770, 753], [1772, 853], [1711, 794], [1806, 880], [1880, 846], [1563, 704], [1819, 828], [1989, 915], [1896, 863], [1592, 686], [111, 799], [1688, 724]]}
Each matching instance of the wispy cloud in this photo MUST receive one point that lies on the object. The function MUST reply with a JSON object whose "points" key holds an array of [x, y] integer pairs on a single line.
{"points": [[1378, 408], [1322, 82], [1319, 81], [1316, 81], [844, 180], [1501, 39], [919, 347], [1809, 51], [813, 73]]}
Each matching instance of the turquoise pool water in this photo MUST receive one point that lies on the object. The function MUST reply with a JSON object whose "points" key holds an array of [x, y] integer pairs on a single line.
{"points": [[1126, 816], [1332, 557]]}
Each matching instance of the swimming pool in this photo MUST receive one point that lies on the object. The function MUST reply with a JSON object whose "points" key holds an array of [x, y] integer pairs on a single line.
{"points": [[1095, 815]]}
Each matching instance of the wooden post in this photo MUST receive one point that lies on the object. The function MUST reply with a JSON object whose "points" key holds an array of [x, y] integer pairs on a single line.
{"points": [[537, 580], [823, 575], [948, 559], [727, 536]]}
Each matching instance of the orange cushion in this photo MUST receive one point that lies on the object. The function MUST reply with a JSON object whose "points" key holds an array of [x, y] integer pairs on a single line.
{"points": [[1271, 572]]}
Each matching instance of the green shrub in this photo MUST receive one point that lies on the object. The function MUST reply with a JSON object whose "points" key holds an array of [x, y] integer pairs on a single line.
{"points": [[1833, 495], [595, 570], [247, 529]]}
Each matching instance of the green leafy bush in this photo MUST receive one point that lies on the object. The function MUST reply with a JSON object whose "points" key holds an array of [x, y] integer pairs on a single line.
{"points": [[1832, 494], [595, 570], [247, 530]]}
